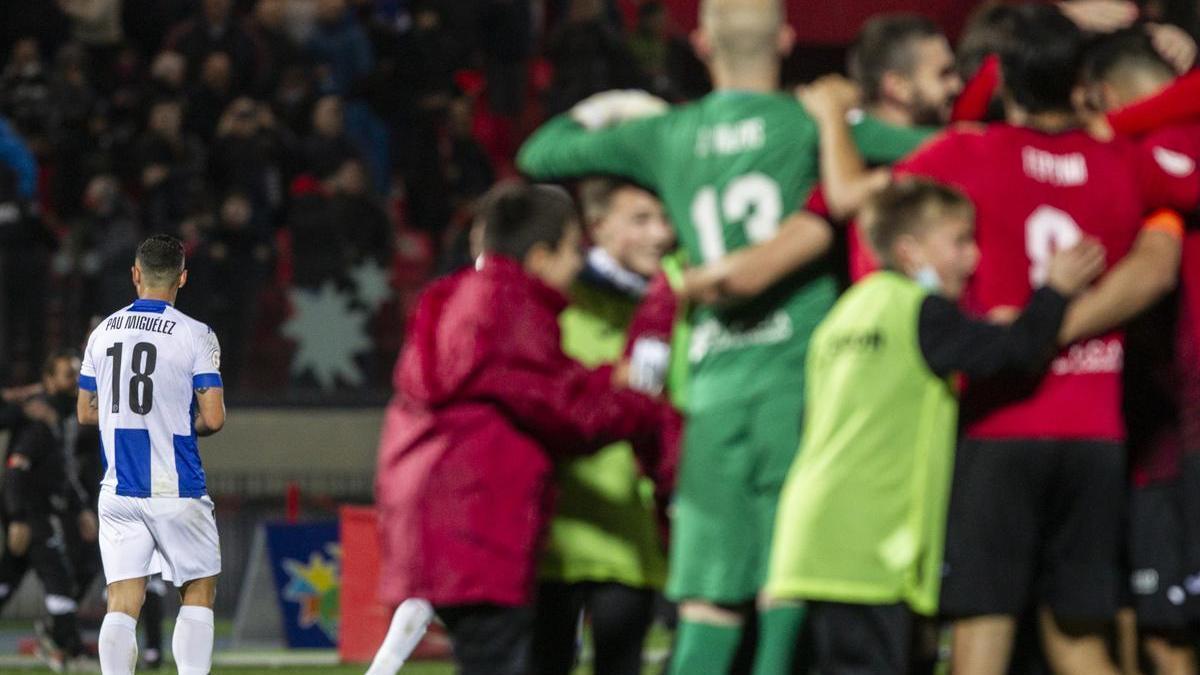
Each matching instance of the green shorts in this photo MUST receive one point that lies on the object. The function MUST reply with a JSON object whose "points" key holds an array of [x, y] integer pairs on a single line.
{"points": [[734, 463]]}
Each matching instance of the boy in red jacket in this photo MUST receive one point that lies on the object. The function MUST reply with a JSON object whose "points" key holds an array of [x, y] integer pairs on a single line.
{"points": [[485, 399]]}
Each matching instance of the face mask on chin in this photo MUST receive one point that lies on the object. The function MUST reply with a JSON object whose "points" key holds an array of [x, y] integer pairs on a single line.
{"points": [[928, 278]]}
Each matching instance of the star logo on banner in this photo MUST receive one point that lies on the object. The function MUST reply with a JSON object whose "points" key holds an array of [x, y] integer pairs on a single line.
{"points": [[328, 333], [371, 280]]}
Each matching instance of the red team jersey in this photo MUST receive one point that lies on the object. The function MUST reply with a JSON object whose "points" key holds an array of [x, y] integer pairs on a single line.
{"points": [[1035, 193], [1163, 382]]}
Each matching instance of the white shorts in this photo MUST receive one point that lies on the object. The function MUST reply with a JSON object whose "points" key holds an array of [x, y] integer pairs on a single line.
{"points": [[141, 536]]}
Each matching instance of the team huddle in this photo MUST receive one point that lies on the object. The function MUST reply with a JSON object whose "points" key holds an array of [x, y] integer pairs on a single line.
{"points": [[951, 441], [968, 403]]}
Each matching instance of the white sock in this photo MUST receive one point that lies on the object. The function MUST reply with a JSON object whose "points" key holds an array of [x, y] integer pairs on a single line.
{"points": [[409, 622], [192, 641], [118, 644]]}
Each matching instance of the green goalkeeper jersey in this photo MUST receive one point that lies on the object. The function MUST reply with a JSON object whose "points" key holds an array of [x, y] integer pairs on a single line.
{"points": [[728, 168]]}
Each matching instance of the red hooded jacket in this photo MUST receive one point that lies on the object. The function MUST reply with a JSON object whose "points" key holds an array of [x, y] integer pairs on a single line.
{"points": [[485, 398]]}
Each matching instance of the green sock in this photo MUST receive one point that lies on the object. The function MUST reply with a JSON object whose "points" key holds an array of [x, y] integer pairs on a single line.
{"points": [[704, 649], [778, 634]]}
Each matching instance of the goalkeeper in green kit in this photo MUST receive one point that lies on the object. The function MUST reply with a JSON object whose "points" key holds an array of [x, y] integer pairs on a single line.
{"points": [[732, 170]]}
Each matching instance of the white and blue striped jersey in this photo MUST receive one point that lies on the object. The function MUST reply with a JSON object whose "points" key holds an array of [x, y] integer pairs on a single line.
{"points": [[144, 362]]}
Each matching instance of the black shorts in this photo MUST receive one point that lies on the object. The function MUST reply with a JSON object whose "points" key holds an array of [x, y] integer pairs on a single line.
{"points": [[853, 639], [1035, 522], [1156, 557], [489, 639]]}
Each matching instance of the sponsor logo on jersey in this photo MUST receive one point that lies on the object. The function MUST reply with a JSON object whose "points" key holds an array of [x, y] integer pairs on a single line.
{"points": [[1060, 170], [712, 336], [1091, 357], [1175, 163]]}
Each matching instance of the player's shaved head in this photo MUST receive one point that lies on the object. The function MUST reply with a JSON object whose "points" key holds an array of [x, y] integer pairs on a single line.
{"points": [[160, 259], [742, 31]]}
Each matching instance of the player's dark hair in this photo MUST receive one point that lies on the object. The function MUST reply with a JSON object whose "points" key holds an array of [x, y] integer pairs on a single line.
{"points": [[988, 31], [517, 218], [1126, 51], [161, 260], [907, 206], [1041, 60], [48, 366], [886, 44], [596, 195]]}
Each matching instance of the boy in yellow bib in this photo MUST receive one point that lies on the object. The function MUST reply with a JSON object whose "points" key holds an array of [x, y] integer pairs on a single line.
{"points": [[862, 513]]}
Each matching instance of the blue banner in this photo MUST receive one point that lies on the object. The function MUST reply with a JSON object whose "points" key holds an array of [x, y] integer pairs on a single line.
{"points": [[306, 561]]}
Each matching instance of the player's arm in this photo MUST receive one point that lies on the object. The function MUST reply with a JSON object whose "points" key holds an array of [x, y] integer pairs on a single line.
{"points": [[87, 407], [1148, 272], [210, 410], [950, 341], [564, 148], [207, 384], [847, 183], [802, 238]]}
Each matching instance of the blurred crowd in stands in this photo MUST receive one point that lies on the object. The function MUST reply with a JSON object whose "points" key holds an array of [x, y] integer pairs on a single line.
{"points": [[286, 141]]}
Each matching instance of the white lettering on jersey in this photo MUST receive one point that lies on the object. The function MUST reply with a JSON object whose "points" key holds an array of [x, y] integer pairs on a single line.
{"points": [[730, 139], [1089, 358], [1060, 170], [145, 362], [1174, 163]]}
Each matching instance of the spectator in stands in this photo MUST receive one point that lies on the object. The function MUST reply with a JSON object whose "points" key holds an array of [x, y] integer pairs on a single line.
{"points": [[101, 244], [589, 56], [342, 53], [328, 146], [650, 46], [25, 247], [168, 74], [215, 30], [506, 39], [19, 159], [25, 90], [248, 154], [339, 47], [96, 25], [468, 169], [72, 146], [319, 251], [293, 99], [367, 233], [211, 96], [230, 265], [172, 167], [277, 50]]}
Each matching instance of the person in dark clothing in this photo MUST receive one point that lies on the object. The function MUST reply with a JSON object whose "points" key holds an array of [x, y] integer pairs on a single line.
{"points": [[589, 57], [216, 30], [366, 230], [248, 155], [25, 84], [227, 271], [328, 147], [102, 243], [210, 98], [73, 147], [41, 490], [172, 167], [277, 51]]}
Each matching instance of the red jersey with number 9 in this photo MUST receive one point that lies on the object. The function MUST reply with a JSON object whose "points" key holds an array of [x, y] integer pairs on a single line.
{"points": [[1036, 193]]}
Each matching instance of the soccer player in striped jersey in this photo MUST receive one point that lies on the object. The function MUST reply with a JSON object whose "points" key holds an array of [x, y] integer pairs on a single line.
{"points": [[151, 379]]}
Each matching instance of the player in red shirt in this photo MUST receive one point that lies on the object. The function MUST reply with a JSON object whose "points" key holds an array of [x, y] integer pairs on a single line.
{"points": [[1162, 368], [1037, 502]]}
